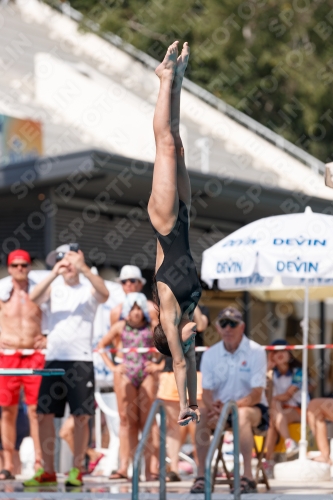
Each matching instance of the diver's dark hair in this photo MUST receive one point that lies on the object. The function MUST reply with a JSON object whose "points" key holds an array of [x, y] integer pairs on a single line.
{"points": [[160, 341], [159, 337]]}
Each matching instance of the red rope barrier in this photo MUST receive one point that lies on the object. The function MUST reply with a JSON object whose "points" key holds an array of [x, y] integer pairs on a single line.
{"points": [[142, 350], [203, 348]]}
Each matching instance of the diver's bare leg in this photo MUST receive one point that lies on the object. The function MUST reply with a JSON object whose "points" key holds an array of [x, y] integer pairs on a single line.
{"points": [[163, 203], [183, 181]]}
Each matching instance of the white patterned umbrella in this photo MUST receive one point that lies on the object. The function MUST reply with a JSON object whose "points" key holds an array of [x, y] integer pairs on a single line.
{"points": [[296, 247]]}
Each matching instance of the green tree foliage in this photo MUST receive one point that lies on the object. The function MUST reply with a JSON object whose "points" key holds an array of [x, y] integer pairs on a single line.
{"points": [[271, 59]]}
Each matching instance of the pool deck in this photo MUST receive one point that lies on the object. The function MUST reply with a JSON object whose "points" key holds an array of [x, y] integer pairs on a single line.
{"points": [[96, 488]]}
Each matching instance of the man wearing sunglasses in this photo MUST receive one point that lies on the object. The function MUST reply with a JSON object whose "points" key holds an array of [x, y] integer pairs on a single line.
{"points": [[72, 308], [232, 369], [20, 324]]}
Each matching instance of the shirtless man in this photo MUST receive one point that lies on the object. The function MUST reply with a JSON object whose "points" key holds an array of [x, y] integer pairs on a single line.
{"points": [[20, 324]]}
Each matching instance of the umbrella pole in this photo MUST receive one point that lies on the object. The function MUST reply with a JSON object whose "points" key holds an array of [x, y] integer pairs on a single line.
{"points": [[303, 444]]}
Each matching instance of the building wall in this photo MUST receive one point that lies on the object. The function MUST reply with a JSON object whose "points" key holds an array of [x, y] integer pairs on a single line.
{"points": [[21, 228], [110, 240]]}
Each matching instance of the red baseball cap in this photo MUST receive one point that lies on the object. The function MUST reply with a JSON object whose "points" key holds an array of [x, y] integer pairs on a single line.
{"points": [[18, 254]]}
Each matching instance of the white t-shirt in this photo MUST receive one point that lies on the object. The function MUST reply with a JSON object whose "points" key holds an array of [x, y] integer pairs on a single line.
{"points": [[233, 376], [103, 375], [72, 312], [281, 384]]}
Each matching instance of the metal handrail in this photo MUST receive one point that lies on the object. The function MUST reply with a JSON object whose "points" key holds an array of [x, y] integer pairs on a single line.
{"points": [[228, 408], [158, 406]]}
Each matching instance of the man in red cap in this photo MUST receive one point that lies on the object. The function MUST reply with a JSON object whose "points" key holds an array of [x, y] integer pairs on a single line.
{"points": [[20, 325]]}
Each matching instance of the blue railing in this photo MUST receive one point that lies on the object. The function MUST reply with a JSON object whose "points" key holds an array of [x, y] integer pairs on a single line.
{"points": [[158, 407], [228, 408]]}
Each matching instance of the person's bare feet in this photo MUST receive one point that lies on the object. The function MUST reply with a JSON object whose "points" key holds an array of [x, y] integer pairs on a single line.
{"points": [[322, 459], [182, 61], [167, 67]]}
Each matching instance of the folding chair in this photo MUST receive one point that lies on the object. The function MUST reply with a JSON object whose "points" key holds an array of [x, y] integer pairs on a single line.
{"points": [[259, 449], [221, 480], [258, 446]]}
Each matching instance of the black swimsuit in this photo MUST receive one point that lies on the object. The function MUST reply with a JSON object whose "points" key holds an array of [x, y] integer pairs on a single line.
{"points": [[178, 268]]}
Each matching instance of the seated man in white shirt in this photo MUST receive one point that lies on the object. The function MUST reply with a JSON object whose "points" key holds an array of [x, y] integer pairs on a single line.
{"points": [[233, 369]]}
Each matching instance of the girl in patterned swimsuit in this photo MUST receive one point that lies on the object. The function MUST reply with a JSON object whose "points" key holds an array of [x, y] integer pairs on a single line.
{"points": [[135, 381], [134, 361]]}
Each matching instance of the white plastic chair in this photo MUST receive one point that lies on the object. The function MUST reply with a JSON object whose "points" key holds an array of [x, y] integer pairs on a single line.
{"points": [[107, 403]]}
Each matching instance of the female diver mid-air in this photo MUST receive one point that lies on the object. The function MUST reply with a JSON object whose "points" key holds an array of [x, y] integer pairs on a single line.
{"points": [[177, 286]]}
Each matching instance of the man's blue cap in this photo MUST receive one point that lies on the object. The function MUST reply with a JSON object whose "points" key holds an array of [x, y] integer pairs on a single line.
{"points": [[279, 342]]}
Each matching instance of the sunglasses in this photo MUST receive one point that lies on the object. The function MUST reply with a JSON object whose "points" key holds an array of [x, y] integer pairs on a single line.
{"points": [[225, 322], [60, 256], [19, 265], [131, 280]]}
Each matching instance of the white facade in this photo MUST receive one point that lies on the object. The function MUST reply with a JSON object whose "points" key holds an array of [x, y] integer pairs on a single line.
{"points": [[90, 93]]}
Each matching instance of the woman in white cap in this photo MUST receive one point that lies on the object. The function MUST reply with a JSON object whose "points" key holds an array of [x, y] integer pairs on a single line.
{"points": [[136, 381], [178, 289], [131, 280]]}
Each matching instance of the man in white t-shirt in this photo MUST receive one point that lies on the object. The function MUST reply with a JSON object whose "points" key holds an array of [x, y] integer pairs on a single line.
{"points": [[72, 309], [233, 369]]}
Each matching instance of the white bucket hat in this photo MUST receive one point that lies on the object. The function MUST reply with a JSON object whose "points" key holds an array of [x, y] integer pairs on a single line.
{"points": [[51, 257], [131, 272]]}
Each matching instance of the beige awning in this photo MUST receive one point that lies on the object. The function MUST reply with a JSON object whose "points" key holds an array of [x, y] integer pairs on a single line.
{"points": [[277, 292]]}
